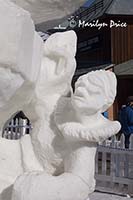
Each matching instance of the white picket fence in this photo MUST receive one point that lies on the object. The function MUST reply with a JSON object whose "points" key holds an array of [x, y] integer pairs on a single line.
{"points": [[114, 167], [15, 128]]}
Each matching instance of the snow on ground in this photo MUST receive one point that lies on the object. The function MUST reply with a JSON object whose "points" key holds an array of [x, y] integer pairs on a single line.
{"points": [[105, 196]]}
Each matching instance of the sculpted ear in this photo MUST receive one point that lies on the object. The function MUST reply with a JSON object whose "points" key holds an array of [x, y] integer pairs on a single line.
{"points": [[61, 43], [58, 63], [110, 88]]}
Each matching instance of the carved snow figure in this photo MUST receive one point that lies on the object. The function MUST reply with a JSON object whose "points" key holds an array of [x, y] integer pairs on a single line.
{"points": [[81, 125], [58, 157]]}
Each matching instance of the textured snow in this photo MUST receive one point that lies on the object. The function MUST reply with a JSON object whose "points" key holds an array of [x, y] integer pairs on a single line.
{"points": [[17, 33]]}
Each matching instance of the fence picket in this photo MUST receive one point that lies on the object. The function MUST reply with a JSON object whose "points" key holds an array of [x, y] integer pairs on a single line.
{"points": [[96, 166], [113, 158], [131, 142], [126, 166], [122, 141], [103, 163]]}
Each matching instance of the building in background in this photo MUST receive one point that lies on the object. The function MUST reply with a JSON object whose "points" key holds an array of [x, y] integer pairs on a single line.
{"points": [[124, 73]]}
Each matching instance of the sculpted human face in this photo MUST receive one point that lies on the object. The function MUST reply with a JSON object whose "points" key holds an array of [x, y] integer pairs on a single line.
{"points": [[94, 92], [86, 99]]}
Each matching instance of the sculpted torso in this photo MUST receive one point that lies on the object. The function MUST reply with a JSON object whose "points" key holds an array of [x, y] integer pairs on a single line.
{"points": [[67, 126]]}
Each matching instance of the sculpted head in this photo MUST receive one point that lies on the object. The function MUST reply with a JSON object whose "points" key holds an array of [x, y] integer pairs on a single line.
{"points": [[94, 92]]}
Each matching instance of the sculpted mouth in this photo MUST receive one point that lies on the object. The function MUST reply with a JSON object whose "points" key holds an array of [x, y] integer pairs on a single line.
{"points": [[79, 97], [79, 92]]}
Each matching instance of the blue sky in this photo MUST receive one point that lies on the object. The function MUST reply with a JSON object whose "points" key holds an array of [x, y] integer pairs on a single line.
{"points": [[88, 3]]}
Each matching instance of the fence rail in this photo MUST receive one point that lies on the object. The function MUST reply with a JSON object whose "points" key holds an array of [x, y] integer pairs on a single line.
{"points": [[114, 167]]}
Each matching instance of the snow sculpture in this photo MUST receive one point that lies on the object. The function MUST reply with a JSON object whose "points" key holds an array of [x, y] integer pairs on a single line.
{"points": [[20, 59], [80, 126], [57, 160]]}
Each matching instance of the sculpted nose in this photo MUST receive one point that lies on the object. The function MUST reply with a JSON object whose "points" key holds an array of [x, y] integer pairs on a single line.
{"points": [[82, 82]]}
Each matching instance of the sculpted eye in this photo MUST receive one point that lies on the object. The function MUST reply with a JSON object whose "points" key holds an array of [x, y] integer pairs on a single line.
{"points": [[16, 127]]}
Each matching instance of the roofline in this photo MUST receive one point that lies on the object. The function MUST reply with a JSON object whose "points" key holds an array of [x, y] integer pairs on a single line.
{"points": [[81, 71], [108, 6]]}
